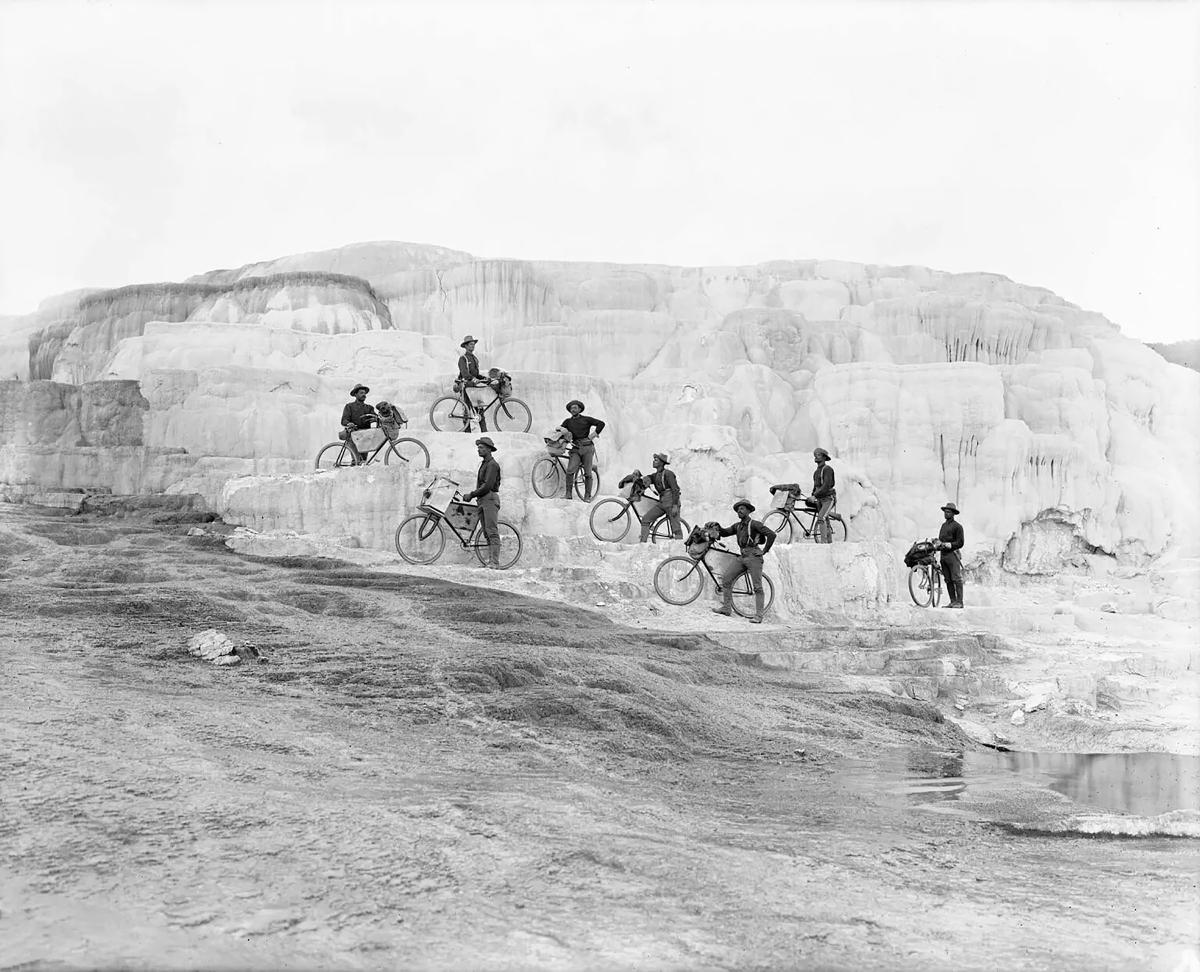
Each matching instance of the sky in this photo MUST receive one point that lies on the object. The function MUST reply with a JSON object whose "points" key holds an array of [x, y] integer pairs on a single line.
{"points": [[1055, 143]]}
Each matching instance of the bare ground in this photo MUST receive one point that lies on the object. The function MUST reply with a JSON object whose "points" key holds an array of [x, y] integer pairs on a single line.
{"points": [[428, 774]]}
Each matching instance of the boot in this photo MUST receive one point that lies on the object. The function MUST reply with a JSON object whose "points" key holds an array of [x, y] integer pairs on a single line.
{"points": [[951, 592], [958, 596], [494, 556], [727, 611], [759, 597]]}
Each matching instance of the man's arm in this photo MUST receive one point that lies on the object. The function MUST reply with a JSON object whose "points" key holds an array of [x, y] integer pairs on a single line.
{"points": [[597, 426], [768, 535], [728, 531], [956, 538], [491, 481], [672, 483], [347, 417], [464, 368]]}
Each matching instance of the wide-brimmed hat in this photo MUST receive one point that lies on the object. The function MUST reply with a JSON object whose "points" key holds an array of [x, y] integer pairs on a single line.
{"points": [[743, 502], [574, 401], [951, 507], [819, 453], [357, 388], [486, 440], [469, 339], [663, 457]]}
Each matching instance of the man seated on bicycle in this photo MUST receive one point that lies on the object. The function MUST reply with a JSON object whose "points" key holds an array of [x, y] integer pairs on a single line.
{"points": [[793, 493], [750, 533], [357, 415], [583, 430], [469, 377]]}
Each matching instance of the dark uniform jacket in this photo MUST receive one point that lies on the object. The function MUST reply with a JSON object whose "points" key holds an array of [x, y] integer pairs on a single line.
{"points": [[951, 532], [580, 425], [823, 480], [665, 482], [355, 414], [750, 533], [487, 481], [468, 367]]}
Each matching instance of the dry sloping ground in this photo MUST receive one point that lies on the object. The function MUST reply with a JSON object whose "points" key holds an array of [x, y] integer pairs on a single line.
{"points": [[437, 775]]}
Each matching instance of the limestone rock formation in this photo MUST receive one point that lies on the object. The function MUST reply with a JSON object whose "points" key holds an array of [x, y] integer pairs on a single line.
{"points": [[1057, 436]]}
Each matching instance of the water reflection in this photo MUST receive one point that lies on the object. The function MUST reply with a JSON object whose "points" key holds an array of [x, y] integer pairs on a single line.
{"points": [[1146, 784]]}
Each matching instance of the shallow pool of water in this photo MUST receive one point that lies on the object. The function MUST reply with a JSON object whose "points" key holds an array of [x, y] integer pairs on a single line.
{"points": [[1144, 784]]}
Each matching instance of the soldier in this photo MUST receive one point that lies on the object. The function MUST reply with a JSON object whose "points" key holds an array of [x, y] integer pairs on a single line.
{"points": [[750, 533], [468, 378], [356, 415], [487, 492], [663, 480], [949, 542], [583, 430], [824, 494]]}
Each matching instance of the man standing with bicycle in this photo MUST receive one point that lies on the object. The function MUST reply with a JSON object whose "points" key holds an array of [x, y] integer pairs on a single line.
{"points": [[357, 415], [949, 542], [487, 492], [750, 534], [824, 494], [583, 430], [668, 502], [468, 378]]}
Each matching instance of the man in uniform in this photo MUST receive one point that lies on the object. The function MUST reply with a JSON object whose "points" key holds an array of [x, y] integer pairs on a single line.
{"points": [[824, 494], [750, 534], [583, 430], [949, 542], [663, 480], [487, 492], [357, 415], [469, 377]]}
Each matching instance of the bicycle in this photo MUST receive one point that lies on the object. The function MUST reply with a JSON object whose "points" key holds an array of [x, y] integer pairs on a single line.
{"points": [[403, 449], [925, 579], [611, 519], [421, 537], [785, 521], [550, 475], [451, 414], [679, 581]]}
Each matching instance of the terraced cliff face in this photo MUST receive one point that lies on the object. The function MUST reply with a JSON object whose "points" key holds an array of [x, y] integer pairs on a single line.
{"points": [[1053, 433]]}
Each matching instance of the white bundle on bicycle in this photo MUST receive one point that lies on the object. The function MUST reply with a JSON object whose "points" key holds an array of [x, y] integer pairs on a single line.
{"points": [[558, 441], [367, 440]]}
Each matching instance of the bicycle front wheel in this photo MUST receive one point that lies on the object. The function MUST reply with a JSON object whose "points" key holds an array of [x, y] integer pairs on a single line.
{"points": [[662, 528], [510, 545], [610, 520], [679, 580], [547, 478], [512, 415], [743, 594], [781, 523], [334, 456], [920, 584], [410, 452], [420, 538], [448, 414]]}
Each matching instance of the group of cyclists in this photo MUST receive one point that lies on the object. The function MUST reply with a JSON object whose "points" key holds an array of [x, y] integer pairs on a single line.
{"points": [[579, 431]]}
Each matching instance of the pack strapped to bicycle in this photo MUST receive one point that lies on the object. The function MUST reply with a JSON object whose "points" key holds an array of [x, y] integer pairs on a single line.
{"points": [[784, 496], [921, 552], [441, 497]]}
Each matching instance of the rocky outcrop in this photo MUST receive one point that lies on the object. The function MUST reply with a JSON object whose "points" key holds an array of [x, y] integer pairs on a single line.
{"points": [[1056, 435]]}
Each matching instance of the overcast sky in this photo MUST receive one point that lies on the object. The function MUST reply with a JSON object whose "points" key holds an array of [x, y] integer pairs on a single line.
{"points": [[1056, 144]]}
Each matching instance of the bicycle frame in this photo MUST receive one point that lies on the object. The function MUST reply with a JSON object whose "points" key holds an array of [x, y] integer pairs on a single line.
{"points": [[367, 459], [808, 531], [472, 540]]}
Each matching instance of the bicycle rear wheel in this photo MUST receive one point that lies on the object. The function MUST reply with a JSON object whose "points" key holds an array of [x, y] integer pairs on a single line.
{"points": [[781, 523], [448, 414], [420, 538], [662, 529], [581, 489], [679, 580], [334, 456], [510, 545], [610, 520], [743, 594], [512, 415], [920, 584], [547, 478], [409, 452]]}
